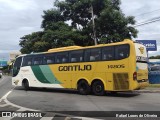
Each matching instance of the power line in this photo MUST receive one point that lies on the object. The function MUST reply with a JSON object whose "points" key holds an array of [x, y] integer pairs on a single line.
{"points": [[144, 23], [147, 13], [155, 18]]}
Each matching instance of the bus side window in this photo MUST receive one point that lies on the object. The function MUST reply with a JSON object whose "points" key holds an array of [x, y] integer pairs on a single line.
{"points": [[27, 61], [57, 60], [73, 60], [49, 59], [76, 56], [122, 51], [62, 57], [81, 59], [92, 58], [38, 60], [108, 53], [64, 60], [87, 55], [95, 54]]}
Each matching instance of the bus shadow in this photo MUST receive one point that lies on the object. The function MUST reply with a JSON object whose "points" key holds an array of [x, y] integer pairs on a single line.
{"points": [[123, 94], [56, 90], [71, 91]]}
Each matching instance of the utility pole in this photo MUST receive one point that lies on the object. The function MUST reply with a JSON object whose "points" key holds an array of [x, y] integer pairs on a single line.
{"points": [[93, 24]]}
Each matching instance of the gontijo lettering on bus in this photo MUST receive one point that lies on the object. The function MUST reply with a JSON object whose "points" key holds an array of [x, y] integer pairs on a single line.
{"points": [[75, 68]]}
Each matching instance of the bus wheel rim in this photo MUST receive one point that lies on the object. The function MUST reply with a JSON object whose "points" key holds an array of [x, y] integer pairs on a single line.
{"points": [[98, 88]]}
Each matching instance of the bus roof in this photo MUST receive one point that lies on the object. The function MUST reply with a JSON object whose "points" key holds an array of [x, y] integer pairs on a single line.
{"points": [[64, 48], [79, 47]]}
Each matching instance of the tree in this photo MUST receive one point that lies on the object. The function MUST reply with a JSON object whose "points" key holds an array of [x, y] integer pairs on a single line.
{"points": [[59, 32], [111, 24], [155, 57], [27, 42], [56, 33], [50, 18], [71, 23]]}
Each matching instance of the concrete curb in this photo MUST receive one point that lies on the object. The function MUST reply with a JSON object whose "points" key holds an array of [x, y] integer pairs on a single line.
{"points": [[147, 91]]}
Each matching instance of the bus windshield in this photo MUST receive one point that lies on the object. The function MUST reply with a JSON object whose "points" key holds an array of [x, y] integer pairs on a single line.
{"points": [[141, 53]]}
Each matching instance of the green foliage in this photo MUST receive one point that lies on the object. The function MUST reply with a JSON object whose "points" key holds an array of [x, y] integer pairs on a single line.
{"points": [[50, 18], [70, 23], [111, 24], [155, 57], [27, 42]]}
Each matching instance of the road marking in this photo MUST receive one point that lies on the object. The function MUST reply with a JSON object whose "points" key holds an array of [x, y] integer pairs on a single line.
{"points": [[5, 96], [47, 118], [4, 99], [14, 105], [4, 105]]}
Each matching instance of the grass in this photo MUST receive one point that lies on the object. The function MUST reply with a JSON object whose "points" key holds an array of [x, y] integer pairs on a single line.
{"points": [[154, 85]]}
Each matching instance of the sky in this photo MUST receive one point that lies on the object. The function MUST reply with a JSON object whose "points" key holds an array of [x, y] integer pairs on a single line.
{"points": [[22, 17]]}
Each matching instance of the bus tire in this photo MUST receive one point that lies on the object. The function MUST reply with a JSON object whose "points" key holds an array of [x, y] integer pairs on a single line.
{"points": [[98, 88], [83, 87], [26, 84]]}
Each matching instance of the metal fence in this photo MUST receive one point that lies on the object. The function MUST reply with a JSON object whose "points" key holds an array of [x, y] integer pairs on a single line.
{"points": [[154, 73]]}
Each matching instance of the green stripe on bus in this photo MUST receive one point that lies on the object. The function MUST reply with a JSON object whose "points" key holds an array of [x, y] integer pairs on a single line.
{"points": [[39, 75], [49, 75]]}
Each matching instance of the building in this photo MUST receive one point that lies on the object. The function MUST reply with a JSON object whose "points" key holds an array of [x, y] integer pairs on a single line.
{"points": [[13, 55], [3, 63]]}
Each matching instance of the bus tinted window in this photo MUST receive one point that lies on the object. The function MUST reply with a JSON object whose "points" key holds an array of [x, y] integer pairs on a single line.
{"points": [[121, 51], [76, 56], [62, 57], [38, 60], [27, 61], [17, 66], [93, 54], [49, 59], [108, 53], [87, 55]]}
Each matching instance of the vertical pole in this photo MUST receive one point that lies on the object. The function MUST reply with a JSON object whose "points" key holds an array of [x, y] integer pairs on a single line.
{"points": [[93, 23]]}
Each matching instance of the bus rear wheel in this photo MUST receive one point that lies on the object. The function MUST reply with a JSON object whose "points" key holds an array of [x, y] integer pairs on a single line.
{"points": [[26, 84], [98, 88], [83, 87]]}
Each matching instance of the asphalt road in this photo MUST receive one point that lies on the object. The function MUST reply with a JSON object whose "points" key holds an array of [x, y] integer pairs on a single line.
{"points": [[67, 100], [58, 100], [5, 85]]}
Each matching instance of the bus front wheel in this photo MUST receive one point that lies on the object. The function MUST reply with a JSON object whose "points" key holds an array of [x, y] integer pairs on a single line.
{"points": [[83, 87], [98, 88], [26, 84]]}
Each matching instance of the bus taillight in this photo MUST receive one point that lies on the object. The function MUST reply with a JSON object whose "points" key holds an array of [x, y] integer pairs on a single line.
{"points": [[135, 76]]}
